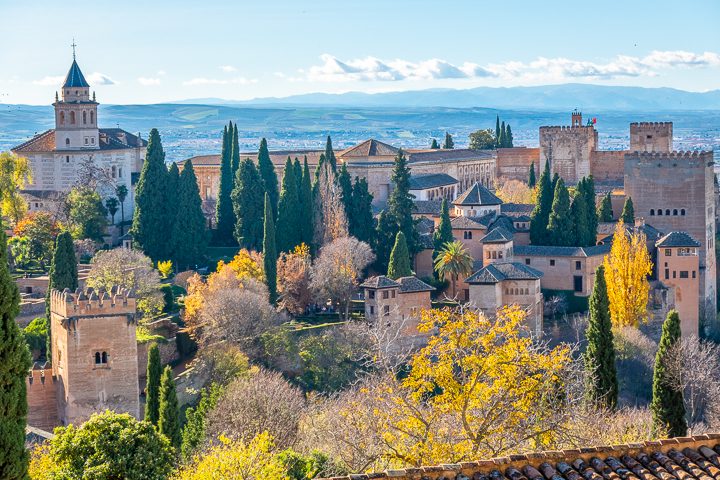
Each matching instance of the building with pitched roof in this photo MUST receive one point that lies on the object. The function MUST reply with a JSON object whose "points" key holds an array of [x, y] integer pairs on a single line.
{"points": [[678, 269], [432, 186]]}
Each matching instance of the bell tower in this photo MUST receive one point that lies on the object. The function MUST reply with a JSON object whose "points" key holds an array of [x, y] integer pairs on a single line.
{"points": [[76, 113]]}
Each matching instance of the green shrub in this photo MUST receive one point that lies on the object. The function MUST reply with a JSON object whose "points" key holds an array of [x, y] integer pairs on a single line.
{"points": [[36, 334], [168, 297]]}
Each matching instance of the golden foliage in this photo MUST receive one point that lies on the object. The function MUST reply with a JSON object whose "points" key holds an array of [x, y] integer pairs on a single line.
{"points": [[165, 268], [41, 464], [247, 263], [626, 273], [515, 191], [15, 173], [293, 273]]}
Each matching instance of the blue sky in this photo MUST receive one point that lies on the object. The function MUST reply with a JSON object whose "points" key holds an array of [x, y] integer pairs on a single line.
{"points": [[148, 52]]}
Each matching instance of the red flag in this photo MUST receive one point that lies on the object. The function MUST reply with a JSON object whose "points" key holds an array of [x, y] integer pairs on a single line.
{"points": [[594, 120]]}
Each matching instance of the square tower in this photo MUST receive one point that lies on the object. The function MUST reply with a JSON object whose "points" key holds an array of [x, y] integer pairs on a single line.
{"points": [[94, 353], [678, 268], [651, 137]]}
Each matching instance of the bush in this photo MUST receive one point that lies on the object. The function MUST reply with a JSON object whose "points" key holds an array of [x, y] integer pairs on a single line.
{"points": [[36, 334], [168, 298]]}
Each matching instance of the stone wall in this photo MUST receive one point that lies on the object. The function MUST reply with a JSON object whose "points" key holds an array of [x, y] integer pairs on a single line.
{"points": [[560, 276], [685, 291], [168, 353], [608, 166], [569, 150], [42, 399], [651, 137], [514, 163]]}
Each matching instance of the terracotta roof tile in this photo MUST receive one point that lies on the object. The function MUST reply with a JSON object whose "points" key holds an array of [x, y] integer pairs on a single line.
{"points": [[370, 148], [477, 195], [677, 239], [497, 272], [379, 281], [430, 180], [413, 284]]}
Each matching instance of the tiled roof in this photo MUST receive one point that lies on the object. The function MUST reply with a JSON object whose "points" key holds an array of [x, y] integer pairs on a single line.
{"points": [[369, 148], [43, 194], [427, 207], [472, 223], [425, 225], [477, 195], [276, 157], [379, 281], [497, 235], [109, 139], [515, 209], [677, 239], [413, 284], [497, 272], [521, 218], [687, 458], [44, 142], [424, 181], [551, 251], [75, 77], [455, 154]]}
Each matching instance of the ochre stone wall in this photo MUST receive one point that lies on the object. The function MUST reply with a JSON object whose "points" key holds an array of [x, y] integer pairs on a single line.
{"points": [[569, 150], [608, 166], [514, 163], [651, 137], [686, 290], [42, 399]]}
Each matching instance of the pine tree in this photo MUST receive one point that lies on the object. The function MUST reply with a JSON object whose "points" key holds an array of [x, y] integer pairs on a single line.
{"points": [[346, 188], [169, 411], [387, 229], [330, 154], [531, 176], [224, 215], [604, 212], [443, 234], [497, 131], [599, 357], [270, 251], [448, 144], [502, 141], [401, 205], [361, 221], [543, 205], [269, 177], [667, 406], [248, 203], [150, 219], [628, 212], [434, 145], [560, 224], [306, 201], [152, 387], [189, 234], [399, 265], [288, 225], [578, 216], [508, 137], [235, 152], [15, 362]]}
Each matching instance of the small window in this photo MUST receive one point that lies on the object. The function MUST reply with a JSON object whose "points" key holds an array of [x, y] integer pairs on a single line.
{"points": [[67, 158], [372, 310], [86, 140], [98, 358], [527, 261], [578, 283], [119, 171], [413, 311], [649, 137], [667, 274], [371, 294], [386, 294], [487, 254], [675, 212], [92, 140], [652, 212], [552, 263], [684, 274], [84, 117], [467, 235], [578, 265], [668, 252], [693, 274], [104, 358], [67, 141], [392, 294], [494, 255], [674, 274], [667, 212], [660, 212], [500, 255], [386, 310], [682, 212]]}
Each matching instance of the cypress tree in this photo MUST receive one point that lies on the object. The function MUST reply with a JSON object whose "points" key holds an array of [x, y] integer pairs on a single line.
{"points": [[502, 140], [578, 216], [63, 267], [15, 362], [531, 176], [172, 197], [306, 214], [599, 357], [150, 220], [448, 144], [386, 231], [189, 234], [588, 188], [543, 204], [399, 265], [400, 203], [508, 136], [605, 213], [560, 224], [235, 152], [330, 154], [269, 177], [667, 406], [224, 215], [554, 182], [361, 221], [346, 188], [288, 226], [297, 170], [497, 130], [270, 251], [434, 145], [152, 386], [169, 411], [443, 234], [628, 212], [248, 203]]}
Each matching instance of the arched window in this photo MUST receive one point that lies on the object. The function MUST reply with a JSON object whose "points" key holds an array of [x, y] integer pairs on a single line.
{"points": [[660, 211], [92, 117], [62, 118], [667, 211], [67, 141], [97, 358], [652, 212], [682, 211], [84, 117], [675, 211], [114, 171], [104, 357], [72, 118]]}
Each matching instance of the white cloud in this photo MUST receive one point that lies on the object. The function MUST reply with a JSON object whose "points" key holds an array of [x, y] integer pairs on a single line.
{"points": [[228, 68], [49, 81], [217, 81], [97, 78], [148, 81]]}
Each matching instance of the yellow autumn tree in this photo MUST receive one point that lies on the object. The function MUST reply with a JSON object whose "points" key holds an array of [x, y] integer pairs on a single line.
{"points": [[247, 263], [627, 268], [15, 173]]}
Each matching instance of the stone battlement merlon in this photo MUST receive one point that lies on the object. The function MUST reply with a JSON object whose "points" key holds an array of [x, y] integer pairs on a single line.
{"points": [[651, 123], [675, 155], [88, 303], [39, 374], [563, 128]]}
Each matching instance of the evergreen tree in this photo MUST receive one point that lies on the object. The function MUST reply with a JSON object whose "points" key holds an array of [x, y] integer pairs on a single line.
{"points": [[387, 229], [599, 357], [443, 234], [628, 212], [150, 220], [169, 411], [508, 136], [543, 205], [604, 212], [189, 234], [497, 130], [531, 176], [15, 362], [269, 177], [152, 387], [361, 221], [346, 188], [448, 144], [586, 186], [400, 203], [288, 225], [224, 215], [193, 434], [235, 153], [554, 182], [330, 154], [63, 268], [399, 265], [434, 145], [297, 170], [560, 224], [270, 251], [667, 406], [578, 216], [306, 201], [248, 203], [171, 195], [502, 141]]}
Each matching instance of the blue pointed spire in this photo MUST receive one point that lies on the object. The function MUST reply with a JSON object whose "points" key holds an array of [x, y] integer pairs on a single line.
{"points": [[75, 77]]}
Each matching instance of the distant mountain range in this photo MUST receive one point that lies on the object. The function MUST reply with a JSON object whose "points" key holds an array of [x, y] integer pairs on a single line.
{"points": [[548, 97]]}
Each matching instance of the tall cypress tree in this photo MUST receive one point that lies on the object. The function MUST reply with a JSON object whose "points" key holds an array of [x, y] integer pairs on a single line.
{"points": [[604, 212], [400, 203], [385, 233], [269, 177], [15, 362], [150, 220], [599, 357], [560, 225], [189, 235], [152, 386], [628, 212], [346, 188], [63, 268], [578, 216], [224, 215], [588, 188], [330, 154], [270, 250], [554, 182], [502, 140], [169, 411], [306, 214], [361, 221], [288, 226], [543, 205], [248, 203], [171, 198], [448, 144], [667, 406], [434, 145], [443, 234], [531, 176], [497, 131], [508, 137], [399, 265], [235, 152], [297, 170]]}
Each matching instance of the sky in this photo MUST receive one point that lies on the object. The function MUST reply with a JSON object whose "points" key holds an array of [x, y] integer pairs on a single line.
{"points": [[152, 52]]}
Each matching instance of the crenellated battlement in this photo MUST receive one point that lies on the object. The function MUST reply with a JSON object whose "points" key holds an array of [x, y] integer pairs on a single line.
{"points": [[40, 374], [674, 154], [566, 128], [650, 124], [88, 303]]}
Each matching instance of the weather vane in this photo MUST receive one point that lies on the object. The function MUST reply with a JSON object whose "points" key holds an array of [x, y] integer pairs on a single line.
{"points": [[73, 45]]}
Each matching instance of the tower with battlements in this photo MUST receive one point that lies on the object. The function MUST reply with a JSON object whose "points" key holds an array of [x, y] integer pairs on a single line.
{"points": [[569, 149], [651, 137]]}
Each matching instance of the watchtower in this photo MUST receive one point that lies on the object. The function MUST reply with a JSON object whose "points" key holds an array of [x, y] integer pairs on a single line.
{"points": [[94, 352], [576, 118]]}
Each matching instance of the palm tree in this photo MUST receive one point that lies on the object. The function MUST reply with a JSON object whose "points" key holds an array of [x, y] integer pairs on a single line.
{"points": [[112, 206], [453, 260], [121, 191]]}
